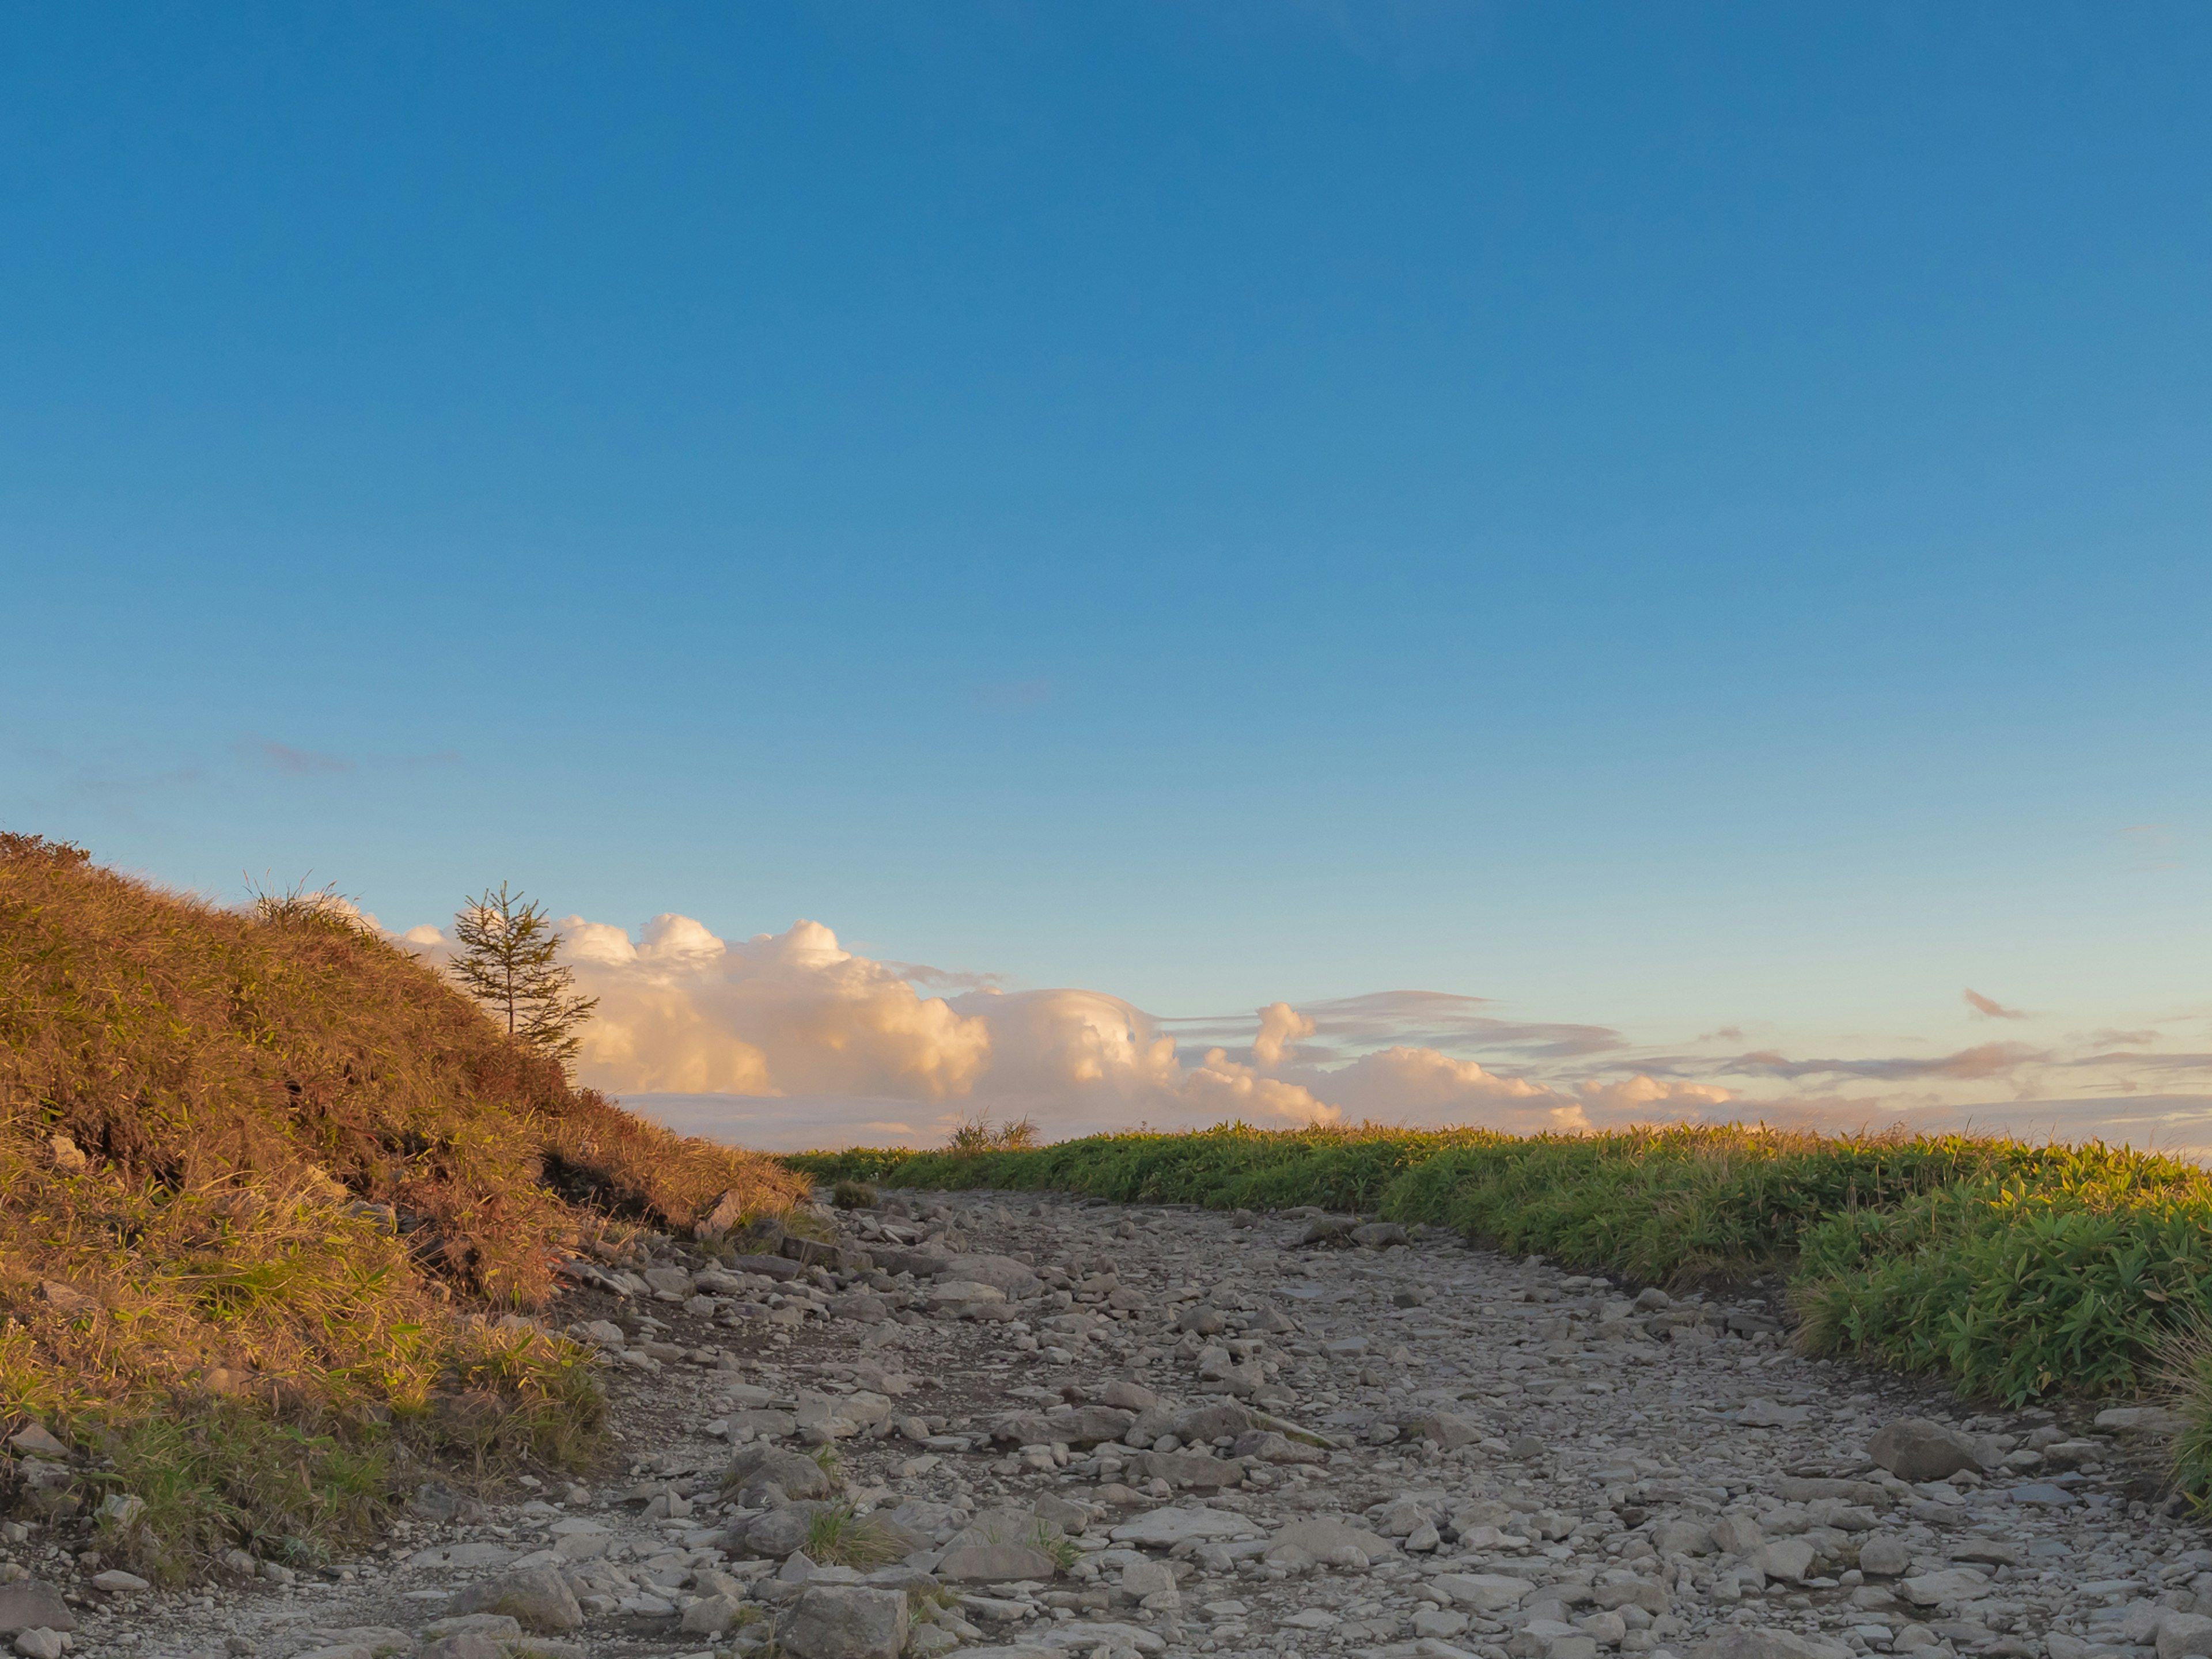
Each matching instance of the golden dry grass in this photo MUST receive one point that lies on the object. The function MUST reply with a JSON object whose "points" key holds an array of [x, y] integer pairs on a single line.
{"points": [[265, 1172]]}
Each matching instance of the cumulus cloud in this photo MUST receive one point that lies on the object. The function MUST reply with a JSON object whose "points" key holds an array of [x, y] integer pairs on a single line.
{"points": [[1281, 1025], [789, 1040]]}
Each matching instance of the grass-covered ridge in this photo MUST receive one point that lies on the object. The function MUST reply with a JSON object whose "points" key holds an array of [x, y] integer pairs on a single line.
{"points": [[266, 1180], [2015, 1270]]}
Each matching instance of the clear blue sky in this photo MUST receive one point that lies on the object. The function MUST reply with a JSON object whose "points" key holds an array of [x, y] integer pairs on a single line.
{"points": [[1664, 515]]}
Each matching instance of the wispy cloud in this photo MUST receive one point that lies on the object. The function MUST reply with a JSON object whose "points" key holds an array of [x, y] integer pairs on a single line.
{"points": [[283, 757], [1991, 1008]]}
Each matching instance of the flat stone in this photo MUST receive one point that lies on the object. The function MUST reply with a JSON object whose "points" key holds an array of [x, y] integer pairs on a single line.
{"points": [[1951, 1584], [33, 1604], [996, 1564], [1485, 1592], [1166, 1528], [1769, 1645], [2141, 1419]]}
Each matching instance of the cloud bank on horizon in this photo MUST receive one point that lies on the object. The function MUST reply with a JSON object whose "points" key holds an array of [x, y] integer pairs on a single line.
{"points": [[789, 1040]]}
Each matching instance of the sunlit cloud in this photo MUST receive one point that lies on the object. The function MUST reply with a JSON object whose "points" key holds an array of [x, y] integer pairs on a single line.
{"points": [[1991, 1008], [789, 1040]]}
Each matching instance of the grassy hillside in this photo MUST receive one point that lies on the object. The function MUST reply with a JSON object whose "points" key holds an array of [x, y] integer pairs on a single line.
{"points": [[263, 1177], [2016, 1271]]}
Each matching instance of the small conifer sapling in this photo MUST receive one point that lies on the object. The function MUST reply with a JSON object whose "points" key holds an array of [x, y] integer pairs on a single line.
{"points": [[506, 961]]}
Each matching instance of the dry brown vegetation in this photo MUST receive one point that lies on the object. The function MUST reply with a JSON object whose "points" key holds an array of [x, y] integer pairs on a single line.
{"points": [[264, 1174]]}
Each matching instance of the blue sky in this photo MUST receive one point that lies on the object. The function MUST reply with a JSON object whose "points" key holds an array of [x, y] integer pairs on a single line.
{"points": [[1677, 519]]}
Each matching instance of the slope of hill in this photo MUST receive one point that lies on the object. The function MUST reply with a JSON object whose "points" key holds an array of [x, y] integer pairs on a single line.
{"points": [[266, 1181]]}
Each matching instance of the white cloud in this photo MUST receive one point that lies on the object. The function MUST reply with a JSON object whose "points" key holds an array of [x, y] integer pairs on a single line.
{"points": [[789, 1039], [1281, 1025]]}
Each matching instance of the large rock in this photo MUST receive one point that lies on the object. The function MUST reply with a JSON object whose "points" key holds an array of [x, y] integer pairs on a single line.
{"points": [[845, 1621], [32, 1604], [753, 1469], [669, 1284], [1914, 1448], [1771, 1644], [536, 1598]]}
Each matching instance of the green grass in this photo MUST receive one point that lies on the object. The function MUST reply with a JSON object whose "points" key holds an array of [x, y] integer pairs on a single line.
{"points": [[2014, 1271], [836, 1537]]}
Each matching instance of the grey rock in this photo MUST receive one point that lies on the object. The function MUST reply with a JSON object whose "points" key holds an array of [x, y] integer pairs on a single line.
{"points": [[672, 1283], [1204, 1425], [1329, 1541], [1166, 1528], [1915, 1449], [1950, 1585], [40, 1643], [1129, 1396], [2185, 1636], [2141, 1419], [1272, 1448], [1188, 1470], [710, 1615], [994, 1564], [33, 1604], [536, 1598], [1885, 1557], [1002, 1273], [755, 1468], [497, 1626], [1485, 1592], [845, 1621], [1771, 1644], [780, 1531], [767, 1266]]}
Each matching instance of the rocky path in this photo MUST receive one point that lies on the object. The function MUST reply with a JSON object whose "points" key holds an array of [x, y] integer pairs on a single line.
{"points": [[1054, 1428]]}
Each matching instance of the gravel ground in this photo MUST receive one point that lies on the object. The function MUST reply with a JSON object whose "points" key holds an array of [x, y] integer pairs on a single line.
{"points": [[1077, 1428]]}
